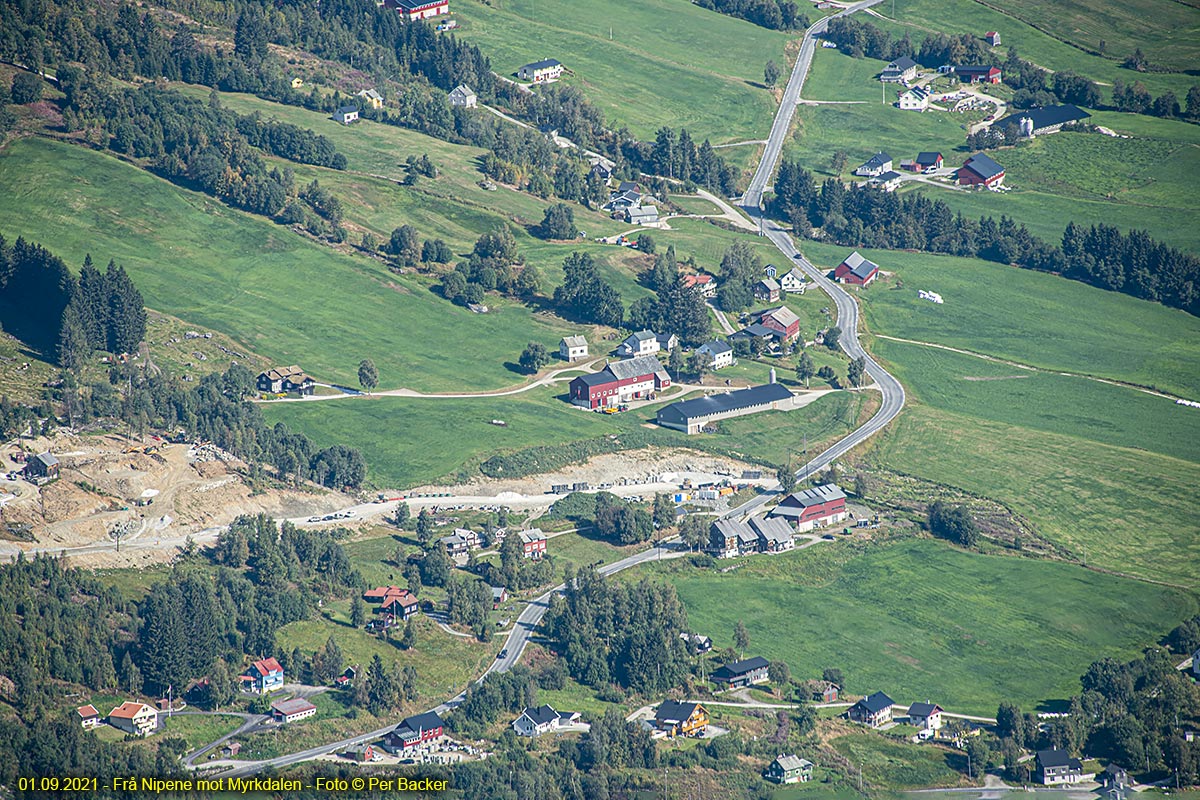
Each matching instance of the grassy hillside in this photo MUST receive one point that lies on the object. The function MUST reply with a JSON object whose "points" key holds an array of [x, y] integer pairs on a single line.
{"points": [[666, 63], [1022, 630], [1097, 469], [1030, 317], [278, 293]]}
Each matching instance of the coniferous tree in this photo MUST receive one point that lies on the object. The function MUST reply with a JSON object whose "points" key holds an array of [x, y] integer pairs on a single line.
{"points": [[126, 311], [73, 346]]}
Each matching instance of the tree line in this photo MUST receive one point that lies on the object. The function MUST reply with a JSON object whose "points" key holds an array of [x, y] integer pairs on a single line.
{"points": [[1132, 263], [778, 15]]}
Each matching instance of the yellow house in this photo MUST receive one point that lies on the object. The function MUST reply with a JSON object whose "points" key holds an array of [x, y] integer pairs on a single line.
{"points": [[372, 98], [680, 719], [297, 83]]}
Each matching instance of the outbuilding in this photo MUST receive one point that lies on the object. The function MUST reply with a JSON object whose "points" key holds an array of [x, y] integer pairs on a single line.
{"points": [[690, 416]]}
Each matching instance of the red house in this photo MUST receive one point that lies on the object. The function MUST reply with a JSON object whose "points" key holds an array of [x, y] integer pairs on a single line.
{"points": [[413, 10], [782, 319], [978, 74], [400, 606], [980, 170], [856, 270], [533, 543], [814, 507], [381, 594], [620, 382], [413, 732]]}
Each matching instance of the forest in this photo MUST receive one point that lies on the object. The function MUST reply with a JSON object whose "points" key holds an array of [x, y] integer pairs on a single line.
{"points": [[1100, 255]]}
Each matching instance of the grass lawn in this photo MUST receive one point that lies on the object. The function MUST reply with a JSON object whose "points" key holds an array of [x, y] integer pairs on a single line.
{"points": [[1030, 317], [694, 68], [277, 293], [1021, 629], [899, 765], [444, 663], [200, 729]]}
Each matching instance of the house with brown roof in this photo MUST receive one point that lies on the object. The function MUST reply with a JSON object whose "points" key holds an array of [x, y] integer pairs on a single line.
{"points": [[138, 719], [89, 717], [278, 380]]}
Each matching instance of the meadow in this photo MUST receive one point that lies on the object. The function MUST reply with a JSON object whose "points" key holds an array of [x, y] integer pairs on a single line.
{"points": [[643, 74], [1097, 469], [898, 765], [1029, 317], [1021, 629]]}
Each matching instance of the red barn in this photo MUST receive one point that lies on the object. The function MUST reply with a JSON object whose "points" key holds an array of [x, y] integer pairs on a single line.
{"points": [[978, 74], [856, 270], [782, 319], [619, 382], [980, 170], [413, 732], [418, 9], [821, 505]]}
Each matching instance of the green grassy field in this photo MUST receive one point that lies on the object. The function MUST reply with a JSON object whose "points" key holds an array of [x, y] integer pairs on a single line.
{"points": [[899, 765], [701, 70], [1030, 317], [418, 451], [275, 292], [1096, 468], [1021, 630], [200, 729]]}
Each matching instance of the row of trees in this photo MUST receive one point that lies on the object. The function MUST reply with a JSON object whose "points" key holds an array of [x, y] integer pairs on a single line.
{"points": [[778, 15], [1100, 255]]}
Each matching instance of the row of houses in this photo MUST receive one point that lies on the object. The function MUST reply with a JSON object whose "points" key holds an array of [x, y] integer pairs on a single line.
{"points": [[978, 170], [136, 719], [799, 512]]}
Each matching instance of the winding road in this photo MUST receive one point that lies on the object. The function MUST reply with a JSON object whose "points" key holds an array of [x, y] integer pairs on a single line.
{"points": [[890, 388]]}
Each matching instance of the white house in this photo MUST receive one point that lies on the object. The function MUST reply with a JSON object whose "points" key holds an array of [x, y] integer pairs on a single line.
{"points": [[888, 181], [926, 716], [463, 97], [136, 718], [89, 717], [915, 99], [542, 71], [876, 165], [294, 710], [536, 721], [642, 343], [572, 348], [641, 215], [720, 353], [793, 282], [346, 114]]}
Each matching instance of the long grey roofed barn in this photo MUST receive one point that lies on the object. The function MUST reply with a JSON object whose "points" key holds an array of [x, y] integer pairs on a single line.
{"points": [[691, 415]]}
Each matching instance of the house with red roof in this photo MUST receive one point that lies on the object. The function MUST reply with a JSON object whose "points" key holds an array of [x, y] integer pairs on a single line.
{"points": [[782, 319], [136, 718], [89, 717], [412, 10], [399, 607], [263, 677]]}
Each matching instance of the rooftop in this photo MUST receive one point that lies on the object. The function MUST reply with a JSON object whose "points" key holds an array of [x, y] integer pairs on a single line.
{"points": [[727, 401]]}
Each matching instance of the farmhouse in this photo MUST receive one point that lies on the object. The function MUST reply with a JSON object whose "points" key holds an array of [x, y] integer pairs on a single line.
{"points": [[381, 594], [1057, 766], [702, 283], [690, 416], [399, 607], [136, 718], [602, 170], [900, 70], [620, 382], [294, 710], [413, 10], [533, 543], [926, 716], [641, 215], [1039, 121], [980, 170], [542, 71], [667, 342], [536, 721], [89, 717], [622, 200], [877, 164], [285, 379], [874, 710], [371, 97], [789, 769], [462, 97], [856, 270], [41, 468], [728, 538], [812, 508], [701, 644], [263, 677], [742, 673], [767, 289], [412, 732], [783, 320], [915, 99], [642, 343], [794, 282], [346, 114], [888, 181], [978, 74], [719, 353], [680, 719], [461, 541], [929, 161], [572, 348]]}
